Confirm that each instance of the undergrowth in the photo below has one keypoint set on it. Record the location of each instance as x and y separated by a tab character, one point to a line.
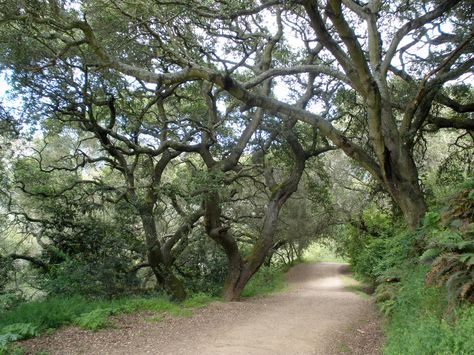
33	318
425	277
421	322
267	280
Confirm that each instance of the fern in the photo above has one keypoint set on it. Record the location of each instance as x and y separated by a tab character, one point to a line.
452	249
14	332
94	320
430	254
7	338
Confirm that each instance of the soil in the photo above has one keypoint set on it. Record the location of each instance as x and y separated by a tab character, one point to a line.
316	315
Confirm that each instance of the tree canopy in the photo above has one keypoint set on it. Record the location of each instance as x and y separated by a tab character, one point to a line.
183	110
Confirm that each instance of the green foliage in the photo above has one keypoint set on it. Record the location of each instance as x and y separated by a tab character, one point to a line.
385	295
373	246
88	245
419	318
10	296
94	320
319	251
105	277
203	264
198	300
17	331
9	300
13	332
30	319
13	350
7	338
404	264
267	280
6	267
50	313
450	245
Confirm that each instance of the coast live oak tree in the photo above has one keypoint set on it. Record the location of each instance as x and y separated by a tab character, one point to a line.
139	130
349	45
388	68
123	140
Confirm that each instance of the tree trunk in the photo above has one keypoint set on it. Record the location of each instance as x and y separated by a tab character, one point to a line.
241	272
172	284
405	189
163	273
236	279
395	156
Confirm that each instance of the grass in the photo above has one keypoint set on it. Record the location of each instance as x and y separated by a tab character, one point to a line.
55	312
198	300
33	318
427	324
355	286
266	281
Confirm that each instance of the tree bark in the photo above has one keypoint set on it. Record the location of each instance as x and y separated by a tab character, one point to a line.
163	273
237	278
403	185
399	173
240	271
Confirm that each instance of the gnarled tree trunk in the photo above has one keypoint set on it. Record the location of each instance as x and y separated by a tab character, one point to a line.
240	270
161	269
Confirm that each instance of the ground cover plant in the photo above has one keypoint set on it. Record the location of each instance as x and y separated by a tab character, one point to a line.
423	277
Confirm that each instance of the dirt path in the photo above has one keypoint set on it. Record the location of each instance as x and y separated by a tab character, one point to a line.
316	316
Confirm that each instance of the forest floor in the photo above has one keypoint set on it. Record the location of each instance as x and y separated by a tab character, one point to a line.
317	314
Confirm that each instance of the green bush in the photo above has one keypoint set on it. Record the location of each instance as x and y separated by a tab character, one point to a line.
50	313
9	300
404	264
99	278
376	246
203	264
450	245
12	350
425	277
14	332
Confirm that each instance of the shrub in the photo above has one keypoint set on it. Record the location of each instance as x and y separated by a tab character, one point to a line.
198	300
12	350
99	278
203	265
376	246
9	300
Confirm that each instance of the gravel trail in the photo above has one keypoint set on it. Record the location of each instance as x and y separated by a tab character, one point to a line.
317	315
